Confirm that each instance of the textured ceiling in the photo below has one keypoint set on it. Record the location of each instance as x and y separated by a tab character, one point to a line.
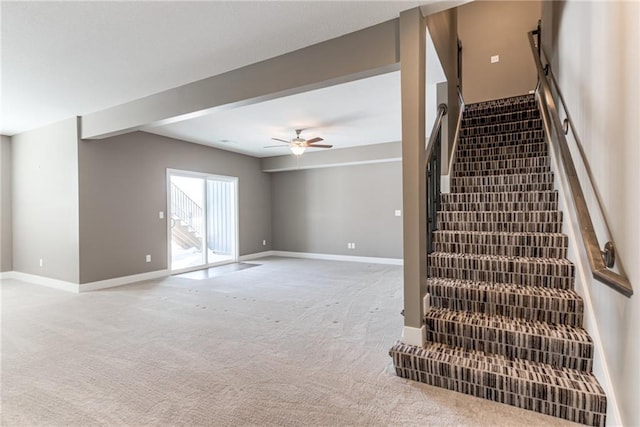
66	59
63	59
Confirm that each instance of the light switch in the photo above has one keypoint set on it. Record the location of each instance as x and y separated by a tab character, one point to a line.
495	58
398	212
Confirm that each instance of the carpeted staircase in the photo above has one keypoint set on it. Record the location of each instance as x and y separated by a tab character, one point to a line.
505	323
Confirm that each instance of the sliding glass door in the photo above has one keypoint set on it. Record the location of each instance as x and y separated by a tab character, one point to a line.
202	220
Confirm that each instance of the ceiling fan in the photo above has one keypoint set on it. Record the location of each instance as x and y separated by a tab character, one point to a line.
298	144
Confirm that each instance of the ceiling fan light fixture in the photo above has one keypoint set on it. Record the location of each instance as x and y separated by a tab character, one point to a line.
297	149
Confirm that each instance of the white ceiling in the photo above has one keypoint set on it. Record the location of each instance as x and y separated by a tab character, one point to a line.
65	59
357	113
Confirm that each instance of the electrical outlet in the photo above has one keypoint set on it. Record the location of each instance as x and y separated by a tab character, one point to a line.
264	243
148	258
398	212
161	215
495	58
40	262
353	246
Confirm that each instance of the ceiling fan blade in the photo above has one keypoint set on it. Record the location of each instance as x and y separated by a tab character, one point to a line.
320	146
314	140
275	146
281	140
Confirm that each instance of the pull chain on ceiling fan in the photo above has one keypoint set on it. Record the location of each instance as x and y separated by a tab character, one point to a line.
298	145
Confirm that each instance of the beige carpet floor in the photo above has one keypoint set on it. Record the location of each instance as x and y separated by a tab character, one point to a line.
290	342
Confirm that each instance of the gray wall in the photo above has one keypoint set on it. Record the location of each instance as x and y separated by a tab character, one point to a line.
123	187
45	201
489	28
594	46
321	210
443	28
6	239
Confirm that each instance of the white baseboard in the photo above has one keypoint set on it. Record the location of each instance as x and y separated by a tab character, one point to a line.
125	280
85	287
330	257
256	255
414	336
445	184
34	279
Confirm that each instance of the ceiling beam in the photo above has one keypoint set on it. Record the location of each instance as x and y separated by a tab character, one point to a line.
365	53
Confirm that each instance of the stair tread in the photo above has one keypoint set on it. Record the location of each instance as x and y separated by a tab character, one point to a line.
496	363
463	146
501	128
504	213
533	158
561	392
501	117
490	193
479	158
556	261
503	233
528	327
503	176
507	288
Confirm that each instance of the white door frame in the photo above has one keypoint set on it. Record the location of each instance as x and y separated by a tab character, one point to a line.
236	243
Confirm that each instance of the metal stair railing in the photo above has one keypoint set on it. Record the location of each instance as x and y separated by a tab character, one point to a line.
433	165
184	208
600	261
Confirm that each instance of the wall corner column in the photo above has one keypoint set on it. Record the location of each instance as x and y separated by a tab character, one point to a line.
412	75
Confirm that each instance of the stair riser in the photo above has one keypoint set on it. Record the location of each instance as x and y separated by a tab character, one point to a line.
558	276
503	183
514	116
558	353
494	172
519	251
464	154
470	158
518	307
510	222
502	165
499	206
504	188
493	197
501	140
516	302
500	107
501	227
515	201
501	128
535	243
530	392
502	277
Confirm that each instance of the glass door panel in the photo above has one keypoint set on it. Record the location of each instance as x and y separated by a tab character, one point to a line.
188	232
203	220
221	228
